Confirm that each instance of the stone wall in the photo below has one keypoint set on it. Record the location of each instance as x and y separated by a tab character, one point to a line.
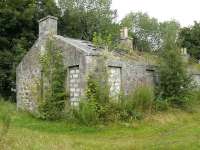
124	74
75	64
133	74
27	81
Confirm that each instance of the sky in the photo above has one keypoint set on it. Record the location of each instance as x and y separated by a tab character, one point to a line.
184	11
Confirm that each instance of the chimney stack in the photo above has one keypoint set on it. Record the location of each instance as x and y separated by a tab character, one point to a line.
125	41
48	25
124	33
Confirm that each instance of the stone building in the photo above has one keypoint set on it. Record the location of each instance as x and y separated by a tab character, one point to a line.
80	57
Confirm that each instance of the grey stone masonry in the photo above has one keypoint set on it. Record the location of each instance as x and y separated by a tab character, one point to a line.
48	25
74	85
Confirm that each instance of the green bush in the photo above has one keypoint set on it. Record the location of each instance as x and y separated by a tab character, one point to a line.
128	107
86	113
175	83
50	110
161	105
193	100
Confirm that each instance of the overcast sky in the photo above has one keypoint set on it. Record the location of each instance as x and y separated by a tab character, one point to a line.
184	11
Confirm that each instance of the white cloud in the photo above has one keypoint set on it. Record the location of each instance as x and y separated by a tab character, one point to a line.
184	11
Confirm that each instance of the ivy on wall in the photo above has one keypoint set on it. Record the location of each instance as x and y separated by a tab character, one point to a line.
53	94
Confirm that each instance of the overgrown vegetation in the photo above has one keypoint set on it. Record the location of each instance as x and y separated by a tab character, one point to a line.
5	118
93	107
175	83
5	126
173	129
53	94
99	107
142	99
107	42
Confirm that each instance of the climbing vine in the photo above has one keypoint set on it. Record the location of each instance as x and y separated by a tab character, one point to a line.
53	95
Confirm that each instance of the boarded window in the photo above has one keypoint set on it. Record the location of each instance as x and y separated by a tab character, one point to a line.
115	80
152	77
74	85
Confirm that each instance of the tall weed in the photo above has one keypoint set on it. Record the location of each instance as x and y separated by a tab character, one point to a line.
142	99
5	119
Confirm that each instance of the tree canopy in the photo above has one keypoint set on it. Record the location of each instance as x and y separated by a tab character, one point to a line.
189	38
148	33
18	31
82	18
19	28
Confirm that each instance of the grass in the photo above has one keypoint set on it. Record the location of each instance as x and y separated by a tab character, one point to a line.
174	129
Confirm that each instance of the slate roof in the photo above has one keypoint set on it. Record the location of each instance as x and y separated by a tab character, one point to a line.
85	46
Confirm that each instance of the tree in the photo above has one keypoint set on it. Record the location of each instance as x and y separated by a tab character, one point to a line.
169	34
189	38
82	18
175	83
144	30
148	34
18	31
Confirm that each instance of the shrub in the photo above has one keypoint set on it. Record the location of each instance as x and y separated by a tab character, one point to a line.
128	110
134	105
193	100
161	105
195	97
87	113
128	107
175	83
93	107
103	41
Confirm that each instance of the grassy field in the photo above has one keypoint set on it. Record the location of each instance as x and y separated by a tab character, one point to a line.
170	130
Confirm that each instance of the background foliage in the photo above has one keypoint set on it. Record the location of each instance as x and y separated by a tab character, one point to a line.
189	38
148	33
19	29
